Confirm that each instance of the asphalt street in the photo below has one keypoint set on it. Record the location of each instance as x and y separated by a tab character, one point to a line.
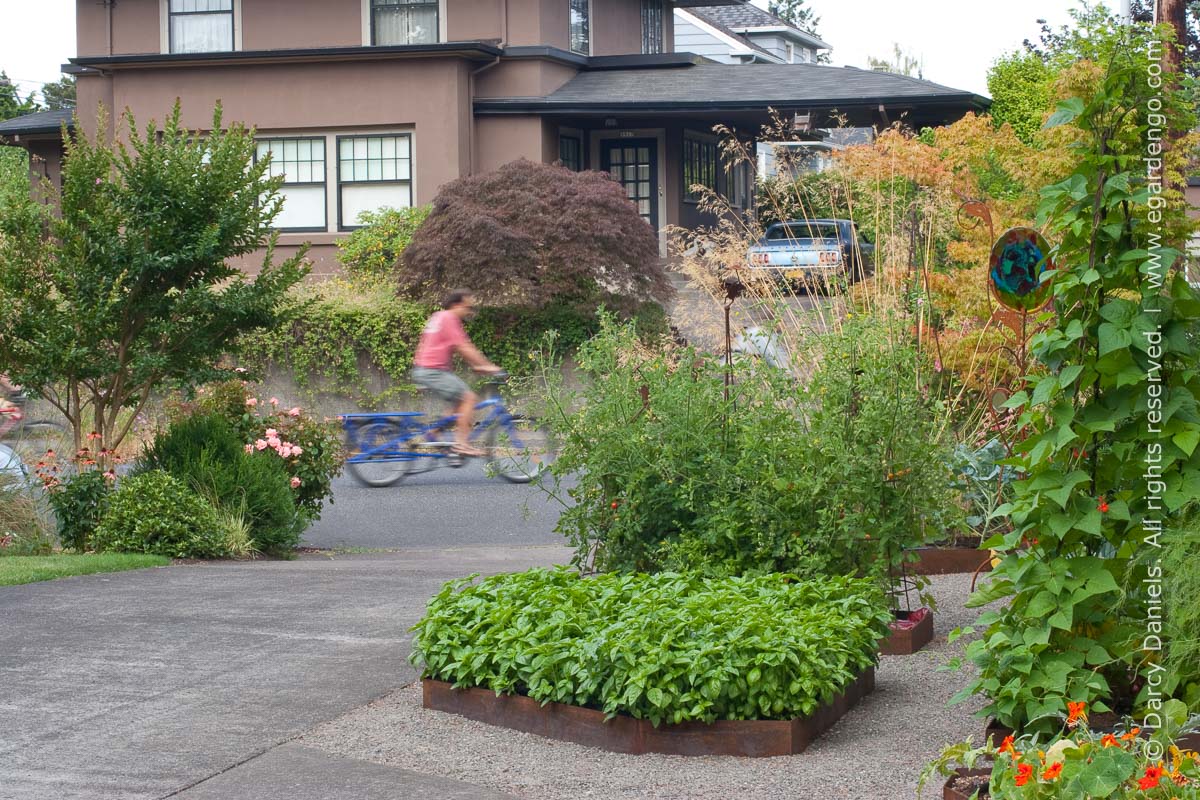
443	508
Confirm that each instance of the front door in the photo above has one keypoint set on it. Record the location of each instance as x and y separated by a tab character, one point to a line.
634	164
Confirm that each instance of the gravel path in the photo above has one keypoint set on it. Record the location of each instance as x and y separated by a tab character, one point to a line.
874	753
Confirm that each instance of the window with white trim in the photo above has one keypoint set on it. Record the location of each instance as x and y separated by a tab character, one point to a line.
301	162
404	22
373	172
200	26
581	27
789	51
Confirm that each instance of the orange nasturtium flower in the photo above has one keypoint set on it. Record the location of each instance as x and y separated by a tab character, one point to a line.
1125	737
1108	740
1024	773
1007	745
1053	771
1075	713
1151	778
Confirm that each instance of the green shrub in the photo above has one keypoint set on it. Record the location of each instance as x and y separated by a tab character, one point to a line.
155	513
835	477
667	647
344	329
206	454
24	529
314	447
374	250
1181	634
78	504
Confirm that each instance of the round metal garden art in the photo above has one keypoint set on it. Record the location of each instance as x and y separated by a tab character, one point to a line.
1018	259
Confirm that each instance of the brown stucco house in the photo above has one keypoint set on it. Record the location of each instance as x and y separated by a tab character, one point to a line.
370	103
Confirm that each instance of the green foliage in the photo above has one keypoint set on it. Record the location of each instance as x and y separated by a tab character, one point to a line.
900	63
24	528
206	454
1111	447
1020	85
344	329
34	569
156	513
374	251
14	173
795	13
837	476
1181	635
11	104
134	289
313	447
1080	763
78	505
667	647
60	94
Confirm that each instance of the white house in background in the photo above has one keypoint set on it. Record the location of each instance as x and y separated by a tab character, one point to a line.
743	34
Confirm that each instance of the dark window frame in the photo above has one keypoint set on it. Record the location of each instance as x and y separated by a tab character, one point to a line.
232	26
337	147
584	7
578	142
377	4
653	28
700	166
324	183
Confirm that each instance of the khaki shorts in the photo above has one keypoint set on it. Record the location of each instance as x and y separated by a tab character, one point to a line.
442	383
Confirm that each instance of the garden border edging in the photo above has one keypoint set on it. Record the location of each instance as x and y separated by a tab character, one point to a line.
623	734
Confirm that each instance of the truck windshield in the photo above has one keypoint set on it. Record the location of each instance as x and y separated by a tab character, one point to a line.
803	230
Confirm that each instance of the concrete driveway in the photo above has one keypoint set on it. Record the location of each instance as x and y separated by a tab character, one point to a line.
190	681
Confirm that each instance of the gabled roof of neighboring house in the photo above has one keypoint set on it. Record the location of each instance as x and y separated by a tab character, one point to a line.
732	86
741	45
744	18
39	122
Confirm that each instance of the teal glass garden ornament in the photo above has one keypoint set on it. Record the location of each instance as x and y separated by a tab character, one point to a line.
1015	268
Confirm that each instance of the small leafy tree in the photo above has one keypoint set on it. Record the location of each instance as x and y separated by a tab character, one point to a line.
126	290
1020	85
11	104
59	94
375	249
1113	444
528	234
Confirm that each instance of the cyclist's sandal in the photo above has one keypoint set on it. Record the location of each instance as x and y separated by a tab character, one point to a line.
467	450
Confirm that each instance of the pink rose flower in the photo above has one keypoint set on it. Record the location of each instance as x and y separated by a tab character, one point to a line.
251	402
273	441
295	412
274	401
249	448
295	483
261	444
296	451
271	432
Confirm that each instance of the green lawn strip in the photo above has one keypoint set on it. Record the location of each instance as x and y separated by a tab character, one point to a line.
16	570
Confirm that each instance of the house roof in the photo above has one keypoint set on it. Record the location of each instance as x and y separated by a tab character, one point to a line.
716	87
733	38
739	19
39	122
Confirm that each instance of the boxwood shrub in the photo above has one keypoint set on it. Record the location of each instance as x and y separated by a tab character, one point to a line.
668	647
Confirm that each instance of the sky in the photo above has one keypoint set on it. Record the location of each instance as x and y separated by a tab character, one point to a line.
956	39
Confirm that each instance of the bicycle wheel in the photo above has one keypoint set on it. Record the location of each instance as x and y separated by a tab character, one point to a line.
519	451
379	465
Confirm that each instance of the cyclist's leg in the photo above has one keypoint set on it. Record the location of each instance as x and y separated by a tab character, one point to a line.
465	423
453	390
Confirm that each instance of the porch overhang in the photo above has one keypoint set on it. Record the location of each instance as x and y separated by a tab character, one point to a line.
748	95
40	126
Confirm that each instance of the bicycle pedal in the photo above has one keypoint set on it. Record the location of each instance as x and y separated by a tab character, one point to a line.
456	460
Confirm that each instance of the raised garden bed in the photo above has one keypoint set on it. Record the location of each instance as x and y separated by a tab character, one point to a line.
911	631
624	734
966	782
950	561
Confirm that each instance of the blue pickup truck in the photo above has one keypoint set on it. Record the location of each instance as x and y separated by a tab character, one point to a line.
813	251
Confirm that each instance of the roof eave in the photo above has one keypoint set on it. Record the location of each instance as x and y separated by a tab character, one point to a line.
542	105
471	50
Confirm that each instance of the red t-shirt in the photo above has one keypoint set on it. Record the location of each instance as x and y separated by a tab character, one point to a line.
442	334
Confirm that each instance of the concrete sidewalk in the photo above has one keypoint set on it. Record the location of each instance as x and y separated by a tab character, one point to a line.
186	680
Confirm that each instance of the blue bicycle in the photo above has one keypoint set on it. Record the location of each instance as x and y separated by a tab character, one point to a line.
385	448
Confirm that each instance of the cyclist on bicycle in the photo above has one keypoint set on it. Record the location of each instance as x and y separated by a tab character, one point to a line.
432	368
